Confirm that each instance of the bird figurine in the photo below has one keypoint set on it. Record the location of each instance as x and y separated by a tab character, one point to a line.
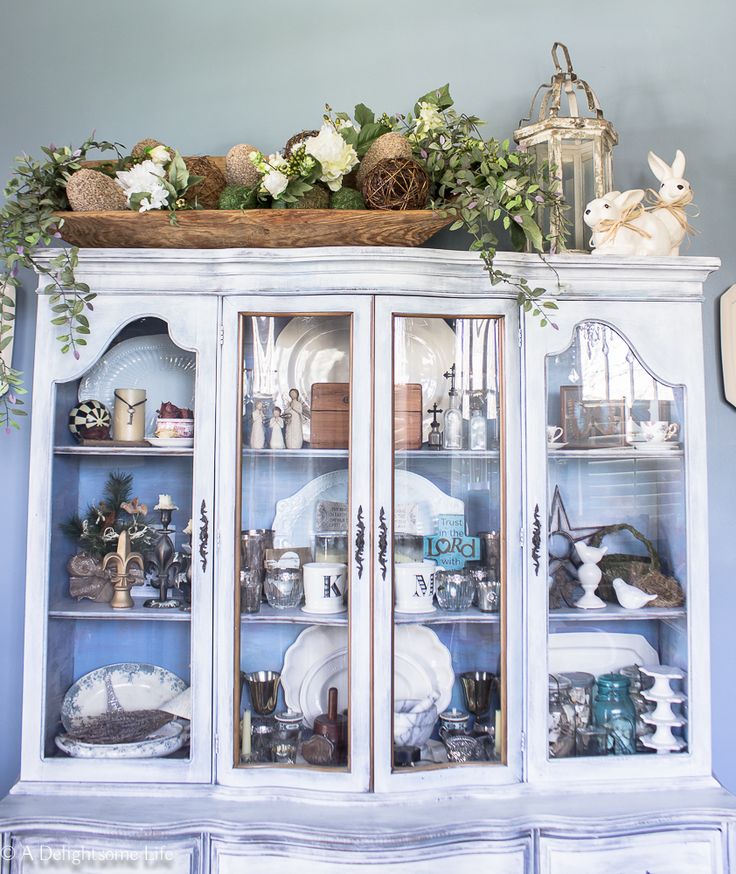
590	554
629	596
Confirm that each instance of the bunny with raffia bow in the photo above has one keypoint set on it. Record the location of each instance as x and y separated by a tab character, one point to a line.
621	226
673	196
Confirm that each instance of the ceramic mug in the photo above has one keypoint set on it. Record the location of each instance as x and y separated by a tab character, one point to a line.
554	432
659	432
414	586
325	583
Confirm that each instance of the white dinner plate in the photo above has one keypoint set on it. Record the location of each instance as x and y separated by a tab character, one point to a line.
165	740
598	652
136	686
176	442
312	349
661	446
318	660
293	525
152	362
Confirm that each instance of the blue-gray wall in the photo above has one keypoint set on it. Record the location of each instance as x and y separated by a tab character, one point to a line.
203	76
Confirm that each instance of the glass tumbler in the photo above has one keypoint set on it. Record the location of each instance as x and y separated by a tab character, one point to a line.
487	589
454	589
591	740
284	587
284	745
251	592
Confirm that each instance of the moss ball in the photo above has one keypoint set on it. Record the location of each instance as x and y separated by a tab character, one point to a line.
89	190
139	149
207	192
347	198
391	145
317	198
239	197
239	169
294	141
278	204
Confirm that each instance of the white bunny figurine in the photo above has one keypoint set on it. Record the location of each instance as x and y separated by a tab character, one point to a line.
621	227
673	196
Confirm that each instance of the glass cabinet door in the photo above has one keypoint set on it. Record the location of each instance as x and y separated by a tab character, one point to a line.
123	552
299	586
444	578
618	572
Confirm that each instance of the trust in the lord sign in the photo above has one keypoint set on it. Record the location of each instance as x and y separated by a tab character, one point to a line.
450	546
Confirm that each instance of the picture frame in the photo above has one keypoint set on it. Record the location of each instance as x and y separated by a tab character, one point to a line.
591	424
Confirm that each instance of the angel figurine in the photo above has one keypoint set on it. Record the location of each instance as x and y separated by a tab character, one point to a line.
277	429
295	421
258	433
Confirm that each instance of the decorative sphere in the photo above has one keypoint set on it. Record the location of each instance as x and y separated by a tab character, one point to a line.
90	420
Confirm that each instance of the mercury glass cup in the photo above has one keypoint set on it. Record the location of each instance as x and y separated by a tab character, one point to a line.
284	587
454	589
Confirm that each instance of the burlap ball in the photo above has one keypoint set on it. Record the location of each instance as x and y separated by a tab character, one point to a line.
89	190
391	145
139	149
239	169
207	192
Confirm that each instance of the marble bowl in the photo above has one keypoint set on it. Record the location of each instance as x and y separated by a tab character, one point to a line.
414	721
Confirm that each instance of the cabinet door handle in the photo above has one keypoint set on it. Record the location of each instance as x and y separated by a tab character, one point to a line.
382	542
359	542
204	535
536	540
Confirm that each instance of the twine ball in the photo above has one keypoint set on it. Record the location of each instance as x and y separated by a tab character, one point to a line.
89	190
207	192
317	198
297	139
239	169
391	145
139	149
396	183
347	198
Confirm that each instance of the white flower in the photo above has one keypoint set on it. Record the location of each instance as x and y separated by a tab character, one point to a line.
160	155
341	123
145	178
276	161
429	119
511	187
275	182
335	155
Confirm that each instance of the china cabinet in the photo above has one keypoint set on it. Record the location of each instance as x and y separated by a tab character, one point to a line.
419	581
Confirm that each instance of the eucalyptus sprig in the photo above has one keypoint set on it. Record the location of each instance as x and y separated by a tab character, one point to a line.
28	220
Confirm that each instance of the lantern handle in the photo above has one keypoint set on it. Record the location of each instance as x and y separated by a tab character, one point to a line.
561	45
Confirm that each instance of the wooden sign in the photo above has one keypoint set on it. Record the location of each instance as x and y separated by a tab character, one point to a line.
451	547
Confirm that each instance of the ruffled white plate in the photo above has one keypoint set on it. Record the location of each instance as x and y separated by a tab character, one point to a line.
293	525
136	686
318	659
598	652
314	349
162	742
154	363
175	442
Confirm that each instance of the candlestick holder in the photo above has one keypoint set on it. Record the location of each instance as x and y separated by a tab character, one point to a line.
165	564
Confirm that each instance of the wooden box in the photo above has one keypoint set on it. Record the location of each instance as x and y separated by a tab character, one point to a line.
330	409
408	416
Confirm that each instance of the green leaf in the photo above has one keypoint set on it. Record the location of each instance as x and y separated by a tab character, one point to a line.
363	115
439	97
532	231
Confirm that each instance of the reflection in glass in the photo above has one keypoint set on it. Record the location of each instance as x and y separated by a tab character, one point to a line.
617	529
295	537
447	567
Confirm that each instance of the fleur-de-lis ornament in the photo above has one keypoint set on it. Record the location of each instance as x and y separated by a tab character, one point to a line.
120	564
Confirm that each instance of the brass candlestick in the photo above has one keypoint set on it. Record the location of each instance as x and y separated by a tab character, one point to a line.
120	564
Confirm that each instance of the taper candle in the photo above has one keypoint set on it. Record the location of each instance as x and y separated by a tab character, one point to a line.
245	747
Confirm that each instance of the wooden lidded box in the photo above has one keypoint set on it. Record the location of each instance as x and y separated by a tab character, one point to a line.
408	416
330	411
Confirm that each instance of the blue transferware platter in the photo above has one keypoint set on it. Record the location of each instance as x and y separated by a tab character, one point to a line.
162	742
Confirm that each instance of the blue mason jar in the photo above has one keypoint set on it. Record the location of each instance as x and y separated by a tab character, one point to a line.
614	709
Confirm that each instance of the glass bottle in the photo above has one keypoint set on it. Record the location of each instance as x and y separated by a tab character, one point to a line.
614	710
478	434
561	718
453	430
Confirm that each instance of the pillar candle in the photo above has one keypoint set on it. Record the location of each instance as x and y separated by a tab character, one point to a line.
245	747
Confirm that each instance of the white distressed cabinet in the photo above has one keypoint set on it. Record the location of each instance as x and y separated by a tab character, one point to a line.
560	435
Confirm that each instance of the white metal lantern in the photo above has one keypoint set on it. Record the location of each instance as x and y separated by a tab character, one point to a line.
577	145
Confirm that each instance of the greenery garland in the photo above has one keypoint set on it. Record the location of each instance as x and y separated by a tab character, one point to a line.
482	184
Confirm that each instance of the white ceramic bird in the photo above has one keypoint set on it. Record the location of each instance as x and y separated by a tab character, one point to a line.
629	596
590	554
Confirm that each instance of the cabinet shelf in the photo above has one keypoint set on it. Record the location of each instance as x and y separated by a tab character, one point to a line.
293	616
626	452
123	450
615	612
447	453
447	617
305	452
68	609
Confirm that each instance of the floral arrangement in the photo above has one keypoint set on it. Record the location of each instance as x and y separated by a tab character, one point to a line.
482	184
98	530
